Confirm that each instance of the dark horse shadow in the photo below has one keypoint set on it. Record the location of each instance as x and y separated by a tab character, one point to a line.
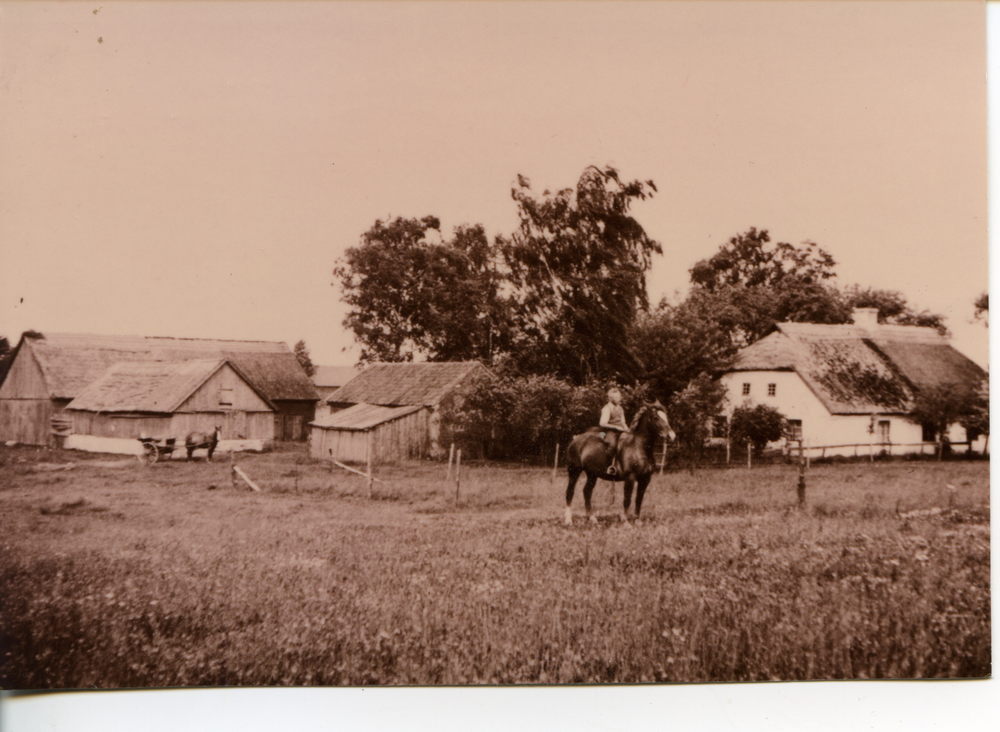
588	453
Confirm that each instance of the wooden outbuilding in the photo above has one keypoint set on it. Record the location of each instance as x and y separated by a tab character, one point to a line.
160	399
391	433
49	371
401	404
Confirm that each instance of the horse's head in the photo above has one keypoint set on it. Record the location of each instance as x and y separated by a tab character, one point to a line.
662	423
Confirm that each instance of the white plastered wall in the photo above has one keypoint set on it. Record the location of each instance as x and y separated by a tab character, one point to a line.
795	400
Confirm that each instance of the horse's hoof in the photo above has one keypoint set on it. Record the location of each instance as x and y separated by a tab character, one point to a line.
638	521
568	517
592	519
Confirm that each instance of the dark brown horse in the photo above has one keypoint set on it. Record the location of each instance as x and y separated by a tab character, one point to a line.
202	440
588	453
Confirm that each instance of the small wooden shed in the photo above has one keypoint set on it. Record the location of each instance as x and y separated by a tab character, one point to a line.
393	433
171	399
425	389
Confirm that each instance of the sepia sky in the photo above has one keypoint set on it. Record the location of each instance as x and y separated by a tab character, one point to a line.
195	169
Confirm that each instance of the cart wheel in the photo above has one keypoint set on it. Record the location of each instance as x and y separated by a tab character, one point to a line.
150	453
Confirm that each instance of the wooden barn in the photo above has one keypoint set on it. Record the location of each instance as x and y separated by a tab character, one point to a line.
49	371
400	404
848	387
172	399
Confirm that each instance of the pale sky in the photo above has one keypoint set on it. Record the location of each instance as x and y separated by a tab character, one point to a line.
195	170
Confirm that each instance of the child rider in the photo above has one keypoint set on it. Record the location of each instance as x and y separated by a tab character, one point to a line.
612	424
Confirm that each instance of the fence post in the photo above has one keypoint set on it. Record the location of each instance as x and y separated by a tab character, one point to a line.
555	465
458	473
451	455
728	448
232	468
802	476
369	450
663	457
749	447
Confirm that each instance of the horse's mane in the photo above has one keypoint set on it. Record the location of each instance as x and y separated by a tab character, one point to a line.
639	415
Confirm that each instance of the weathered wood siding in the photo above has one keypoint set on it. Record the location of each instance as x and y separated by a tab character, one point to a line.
25	420
291	421
25	406
24	380
224	385
405	438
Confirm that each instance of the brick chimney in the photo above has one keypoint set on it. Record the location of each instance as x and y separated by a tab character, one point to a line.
866	318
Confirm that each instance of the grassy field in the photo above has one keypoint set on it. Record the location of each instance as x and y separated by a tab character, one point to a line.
115	575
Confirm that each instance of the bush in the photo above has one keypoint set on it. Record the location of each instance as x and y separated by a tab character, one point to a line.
524	417
757	425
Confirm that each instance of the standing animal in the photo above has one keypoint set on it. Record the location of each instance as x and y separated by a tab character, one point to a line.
588	453
200	440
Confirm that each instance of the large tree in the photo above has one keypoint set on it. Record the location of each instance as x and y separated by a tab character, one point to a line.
750	284
413	294
577	265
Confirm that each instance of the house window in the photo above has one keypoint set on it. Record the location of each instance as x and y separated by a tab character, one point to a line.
928	432
794	430
772	389
225	397
883	431
746	389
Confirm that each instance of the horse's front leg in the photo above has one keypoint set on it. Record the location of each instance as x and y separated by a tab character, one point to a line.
588	491
574	474
627	501
640	492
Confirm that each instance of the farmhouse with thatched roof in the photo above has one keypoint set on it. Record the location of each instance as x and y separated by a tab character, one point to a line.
49	371
848	385
393	407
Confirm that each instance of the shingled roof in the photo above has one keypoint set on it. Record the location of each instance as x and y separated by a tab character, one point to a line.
147	386
857	370
405	384
70	362
364	416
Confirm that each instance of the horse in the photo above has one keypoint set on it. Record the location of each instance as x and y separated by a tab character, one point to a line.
199	440
588	452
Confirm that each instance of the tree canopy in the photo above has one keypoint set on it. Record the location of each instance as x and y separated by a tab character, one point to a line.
412	293
577	265
302	355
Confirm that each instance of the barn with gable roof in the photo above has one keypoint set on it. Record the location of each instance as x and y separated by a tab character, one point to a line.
49	371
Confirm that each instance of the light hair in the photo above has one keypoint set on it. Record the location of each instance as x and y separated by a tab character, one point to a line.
614	390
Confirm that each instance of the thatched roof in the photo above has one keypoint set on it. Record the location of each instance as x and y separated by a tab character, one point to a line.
854	370
399	384
70	362
333	376
363	417
147	386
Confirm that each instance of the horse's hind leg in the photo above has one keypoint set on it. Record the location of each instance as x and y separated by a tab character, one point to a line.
574	474
588	491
